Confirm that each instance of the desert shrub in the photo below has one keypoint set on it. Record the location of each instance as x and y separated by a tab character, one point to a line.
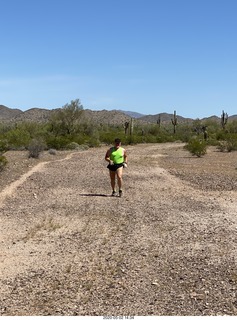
147	138
196	147
52	151
59	142
231	139
80	138
231	146
93	142
220	135
35	148
35	130
83	147
212	140
134	139
73	146
153	129
228	145
17	138
222	146
3	145
232	126
107	133
3	162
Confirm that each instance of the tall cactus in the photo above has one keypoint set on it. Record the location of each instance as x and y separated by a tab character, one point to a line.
126	126
174	121
205	134
158	121
131	126
224	119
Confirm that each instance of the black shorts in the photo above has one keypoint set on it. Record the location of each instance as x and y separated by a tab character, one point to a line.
114	167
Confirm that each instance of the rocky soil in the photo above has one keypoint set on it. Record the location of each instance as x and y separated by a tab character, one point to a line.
167	247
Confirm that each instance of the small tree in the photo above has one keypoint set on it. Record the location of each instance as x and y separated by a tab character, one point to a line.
65	119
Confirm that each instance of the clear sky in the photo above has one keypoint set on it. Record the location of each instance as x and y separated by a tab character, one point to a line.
147	56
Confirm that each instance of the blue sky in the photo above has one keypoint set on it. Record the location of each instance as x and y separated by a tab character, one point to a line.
148	56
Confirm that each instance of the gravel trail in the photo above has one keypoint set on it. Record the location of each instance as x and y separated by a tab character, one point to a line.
166	247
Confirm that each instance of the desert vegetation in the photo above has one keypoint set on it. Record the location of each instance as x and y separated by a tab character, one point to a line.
68	129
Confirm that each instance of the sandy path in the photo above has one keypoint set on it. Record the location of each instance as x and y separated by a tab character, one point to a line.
9	190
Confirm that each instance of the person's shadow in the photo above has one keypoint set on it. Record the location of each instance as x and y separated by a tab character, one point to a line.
94	195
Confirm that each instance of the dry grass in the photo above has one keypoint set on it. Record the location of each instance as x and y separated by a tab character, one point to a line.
46	226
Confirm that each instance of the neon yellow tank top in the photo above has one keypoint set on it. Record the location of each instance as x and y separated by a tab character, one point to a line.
117	155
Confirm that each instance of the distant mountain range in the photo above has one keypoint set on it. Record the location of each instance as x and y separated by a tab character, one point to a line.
132	114
167	117
103	116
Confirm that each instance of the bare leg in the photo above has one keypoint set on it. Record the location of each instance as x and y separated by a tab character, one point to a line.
119	173
112	179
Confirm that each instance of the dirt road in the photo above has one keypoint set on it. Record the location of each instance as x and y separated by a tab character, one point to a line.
67	248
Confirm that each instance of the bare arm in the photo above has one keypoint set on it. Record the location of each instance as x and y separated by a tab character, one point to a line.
107	155
125	156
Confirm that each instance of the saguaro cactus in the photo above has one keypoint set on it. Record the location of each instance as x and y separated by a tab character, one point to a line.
131	127
205	134
126	126
158	121
224	119
174	121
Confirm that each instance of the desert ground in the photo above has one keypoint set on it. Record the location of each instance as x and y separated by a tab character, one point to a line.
166	248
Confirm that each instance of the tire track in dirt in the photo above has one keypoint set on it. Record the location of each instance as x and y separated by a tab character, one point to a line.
9	190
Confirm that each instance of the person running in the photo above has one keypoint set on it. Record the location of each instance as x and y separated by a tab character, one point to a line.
117	158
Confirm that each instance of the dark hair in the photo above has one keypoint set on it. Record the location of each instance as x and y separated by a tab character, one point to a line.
117	140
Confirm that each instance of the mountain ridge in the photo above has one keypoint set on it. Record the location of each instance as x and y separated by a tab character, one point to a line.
100	116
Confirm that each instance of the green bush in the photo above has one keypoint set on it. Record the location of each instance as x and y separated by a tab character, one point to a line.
196	147
59	142
3	145
222	146
231	142
232	126
3	162
73	146
227	145
17	138
93	142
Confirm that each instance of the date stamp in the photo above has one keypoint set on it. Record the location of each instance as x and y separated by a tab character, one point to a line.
118	317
